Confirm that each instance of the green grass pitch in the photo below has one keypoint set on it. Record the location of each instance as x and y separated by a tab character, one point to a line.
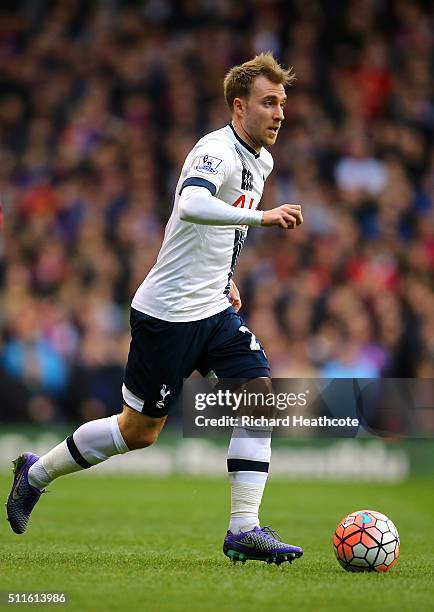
140	543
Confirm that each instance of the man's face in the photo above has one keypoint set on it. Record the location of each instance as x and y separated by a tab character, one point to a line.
263	111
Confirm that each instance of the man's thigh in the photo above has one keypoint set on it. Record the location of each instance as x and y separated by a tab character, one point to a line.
232	350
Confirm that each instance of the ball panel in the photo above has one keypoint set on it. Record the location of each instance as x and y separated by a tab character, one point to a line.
340	552
382	526
353	528
348	552
375	534
348	520
364	518
371	555
359	550
380	557
390	547
393	563
392	528
354	539
378	515
388	537
367	540
389	558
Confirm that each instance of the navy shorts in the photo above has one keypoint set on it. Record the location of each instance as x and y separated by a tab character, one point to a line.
163	354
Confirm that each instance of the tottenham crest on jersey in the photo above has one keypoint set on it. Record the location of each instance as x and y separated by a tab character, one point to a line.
208	163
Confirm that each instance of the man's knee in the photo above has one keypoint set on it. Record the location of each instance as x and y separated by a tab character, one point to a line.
257	394
261	384
139	430
141	439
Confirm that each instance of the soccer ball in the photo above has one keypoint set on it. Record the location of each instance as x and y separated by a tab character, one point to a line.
366	541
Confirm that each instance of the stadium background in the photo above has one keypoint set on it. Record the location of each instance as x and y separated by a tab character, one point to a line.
99	104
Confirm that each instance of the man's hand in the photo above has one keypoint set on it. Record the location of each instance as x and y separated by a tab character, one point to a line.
234	296
287	216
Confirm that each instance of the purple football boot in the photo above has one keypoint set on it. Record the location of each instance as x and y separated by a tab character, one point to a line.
260	544
23	496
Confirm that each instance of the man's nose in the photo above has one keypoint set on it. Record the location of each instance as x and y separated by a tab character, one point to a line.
279	114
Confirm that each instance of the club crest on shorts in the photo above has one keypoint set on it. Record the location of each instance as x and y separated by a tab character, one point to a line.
208	163
163	393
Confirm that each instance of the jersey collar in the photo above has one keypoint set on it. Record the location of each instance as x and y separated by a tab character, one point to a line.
245	145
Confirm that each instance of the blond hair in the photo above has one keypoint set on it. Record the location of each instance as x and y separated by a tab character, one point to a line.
239	80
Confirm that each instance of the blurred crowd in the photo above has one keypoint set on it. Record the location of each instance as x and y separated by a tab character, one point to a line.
99	104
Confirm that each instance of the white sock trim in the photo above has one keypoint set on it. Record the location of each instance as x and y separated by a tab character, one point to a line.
118	440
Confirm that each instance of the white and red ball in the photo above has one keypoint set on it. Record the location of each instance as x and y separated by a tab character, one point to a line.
366	541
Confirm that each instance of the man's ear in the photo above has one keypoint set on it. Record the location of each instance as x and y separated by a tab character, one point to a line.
239	106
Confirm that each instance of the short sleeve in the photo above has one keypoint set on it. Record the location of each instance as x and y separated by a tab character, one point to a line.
210	165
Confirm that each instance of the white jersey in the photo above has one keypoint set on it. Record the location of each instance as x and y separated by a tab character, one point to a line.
190	279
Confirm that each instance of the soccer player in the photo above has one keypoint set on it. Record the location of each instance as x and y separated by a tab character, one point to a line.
184	316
